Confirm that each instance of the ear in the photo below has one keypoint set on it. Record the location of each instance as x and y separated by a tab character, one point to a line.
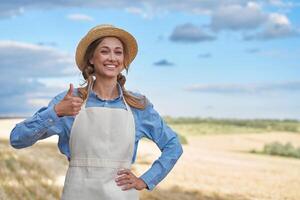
91	61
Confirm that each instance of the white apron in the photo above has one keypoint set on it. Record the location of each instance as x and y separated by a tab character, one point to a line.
101	143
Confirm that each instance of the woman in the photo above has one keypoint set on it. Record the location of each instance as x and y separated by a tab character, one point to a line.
99	125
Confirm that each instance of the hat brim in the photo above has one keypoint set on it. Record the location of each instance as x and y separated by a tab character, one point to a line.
98	32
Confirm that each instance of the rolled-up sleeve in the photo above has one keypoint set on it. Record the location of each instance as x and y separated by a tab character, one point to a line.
44	123
154	128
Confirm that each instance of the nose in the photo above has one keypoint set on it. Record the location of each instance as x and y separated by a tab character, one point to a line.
112	57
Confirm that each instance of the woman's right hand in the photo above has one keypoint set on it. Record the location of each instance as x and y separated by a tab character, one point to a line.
70	105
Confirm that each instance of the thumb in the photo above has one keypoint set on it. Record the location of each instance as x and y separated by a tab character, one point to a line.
70	91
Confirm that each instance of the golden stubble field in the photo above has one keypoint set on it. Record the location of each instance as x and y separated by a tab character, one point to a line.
213	167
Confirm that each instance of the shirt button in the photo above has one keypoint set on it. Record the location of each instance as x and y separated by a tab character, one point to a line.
50	120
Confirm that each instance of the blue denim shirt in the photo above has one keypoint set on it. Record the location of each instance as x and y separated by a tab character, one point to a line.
148	123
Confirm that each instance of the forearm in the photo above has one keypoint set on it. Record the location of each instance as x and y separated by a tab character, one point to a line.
163	165
34	128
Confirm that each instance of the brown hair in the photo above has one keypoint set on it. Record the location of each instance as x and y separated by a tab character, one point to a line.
88	72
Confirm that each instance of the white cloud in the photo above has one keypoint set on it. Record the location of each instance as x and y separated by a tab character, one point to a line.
238	17
80	17
29	60
278	19
234	15
277	26
135	10
245	88
140	11
149	6
190	33
21	67
276	2
282	3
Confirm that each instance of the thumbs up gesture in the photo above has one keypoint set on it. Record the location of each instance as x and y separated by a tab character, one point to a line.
70	105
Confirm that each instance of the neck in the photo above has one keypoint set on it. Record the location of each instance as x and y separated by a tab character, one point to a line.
106	89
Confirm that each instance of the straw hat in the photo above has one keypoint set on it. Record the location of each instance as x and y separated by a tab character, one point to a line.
102	31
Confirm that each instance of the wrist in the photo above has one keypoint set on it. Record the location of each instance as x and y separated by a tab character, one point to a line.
143	184
57	111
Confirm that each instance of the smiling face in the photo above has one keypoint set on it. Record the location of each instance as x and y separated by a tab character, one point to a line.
108	58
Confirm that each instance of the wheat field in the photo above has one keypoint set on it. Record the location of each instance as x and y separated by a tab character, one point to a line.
212	167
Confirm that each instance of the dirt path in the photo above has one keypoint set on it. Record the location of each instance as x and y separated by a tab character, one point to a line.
221	165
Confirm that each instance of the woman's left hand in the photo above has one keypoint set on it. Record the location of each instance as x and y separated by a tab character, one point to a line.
128	180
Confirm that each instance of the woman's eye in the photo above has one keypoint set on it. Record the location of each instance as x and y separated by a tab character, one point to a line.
119	52
104	51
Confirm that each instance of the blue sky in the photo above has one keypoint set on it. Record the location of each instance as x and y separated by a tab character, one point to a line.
208	58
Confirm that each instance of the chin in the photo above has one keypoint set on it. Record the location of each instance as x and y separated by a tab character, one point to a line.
109	75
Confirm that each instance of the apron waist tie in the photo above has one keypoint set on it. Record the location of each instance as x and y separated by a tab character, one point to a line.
96	162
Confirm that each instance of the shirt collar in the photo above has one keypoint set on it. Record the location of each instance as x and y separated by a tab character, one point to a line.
120	95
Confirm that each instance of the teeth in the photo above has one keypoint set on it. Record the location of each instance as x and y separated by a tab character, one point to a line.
110	66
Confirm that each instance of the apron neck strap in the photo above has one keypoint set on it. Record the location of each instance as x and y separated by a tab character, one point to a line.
126	104
90	90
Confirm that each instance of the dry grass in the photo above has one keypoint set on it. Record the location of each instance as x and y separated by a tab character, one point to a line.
36	173
177	193
213	167
30	173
